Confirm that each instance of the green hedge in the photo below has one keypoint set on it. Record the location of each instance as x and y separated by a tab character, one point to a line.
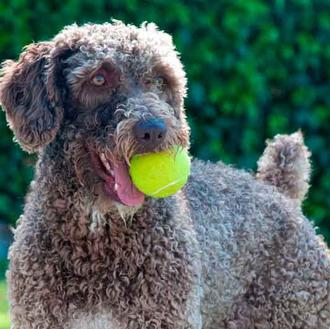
4	317
256	68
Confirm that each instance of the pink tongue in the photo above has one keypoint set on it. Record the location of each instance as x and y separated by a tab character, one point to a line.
127	193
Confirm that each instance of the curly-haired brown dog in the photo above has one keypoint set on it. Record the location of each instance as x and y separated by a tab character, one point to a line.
90	251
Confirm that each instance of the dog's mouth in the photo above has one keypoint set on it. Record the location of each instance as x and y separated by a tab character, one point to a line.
117	181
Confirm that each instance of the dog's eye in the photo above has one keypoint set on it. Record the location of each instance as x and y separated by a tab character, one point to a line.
158	82
98	80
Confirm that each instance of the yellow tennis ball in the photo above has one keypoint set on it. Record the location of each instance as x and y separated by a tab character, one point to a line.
160	174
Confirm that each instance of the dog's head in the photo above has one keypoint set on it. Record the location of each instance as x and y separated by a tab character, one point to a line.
103	93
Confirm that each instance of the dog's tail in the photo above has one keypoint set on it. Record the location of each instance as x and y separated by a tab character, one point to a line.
285	164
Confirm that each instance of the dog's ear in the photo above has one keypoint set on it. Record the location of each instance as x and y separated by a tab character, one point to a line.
31	97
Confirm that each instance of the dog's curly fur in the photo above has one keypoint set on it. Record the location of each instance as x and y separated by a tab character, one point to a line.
228	251
285	164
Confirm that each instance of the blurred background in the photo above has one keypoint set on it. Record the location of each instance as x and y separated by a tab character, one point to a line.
256	68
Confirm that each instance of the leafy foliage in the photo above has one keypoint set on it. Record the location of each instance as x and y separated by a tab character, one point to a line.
4	317
256	68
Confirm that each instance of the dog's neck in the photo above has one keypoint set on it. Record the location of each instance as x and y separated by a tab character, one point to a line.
55	182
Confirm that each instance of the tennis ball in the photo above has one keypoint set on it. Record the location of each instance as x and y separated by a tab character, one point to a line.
160	174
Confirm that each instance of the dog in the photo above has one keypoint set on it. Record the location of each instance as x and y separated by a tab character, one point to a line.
91	251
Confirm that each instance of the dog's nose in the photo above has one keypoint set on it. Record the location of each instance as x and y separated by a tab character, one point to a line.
150	133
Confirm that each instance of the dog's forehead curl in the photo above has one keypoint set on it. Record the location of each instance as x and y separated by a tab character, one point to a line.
142	48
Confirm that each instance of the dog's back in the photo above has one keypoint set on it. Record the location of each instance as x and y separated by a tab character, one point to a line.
261	259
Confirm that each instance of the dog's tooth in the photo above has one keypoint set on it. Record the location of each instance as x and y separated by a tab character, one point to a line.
112	172
107	166
102	156
116	186
105	162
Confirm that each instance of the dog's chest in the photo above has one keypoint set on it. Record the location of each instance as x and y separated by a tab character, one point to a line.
140	273
92	321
